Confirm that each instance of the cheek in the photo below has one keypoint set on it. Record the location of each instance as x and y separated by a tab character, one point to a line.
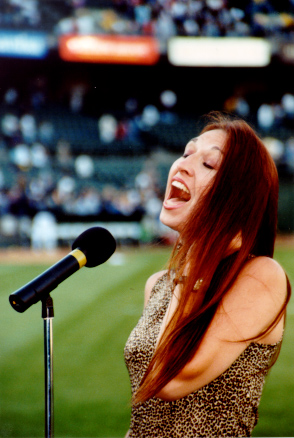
205	183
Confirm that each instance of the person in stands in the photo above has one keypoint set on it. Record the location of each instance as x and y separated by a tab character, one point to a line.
213	322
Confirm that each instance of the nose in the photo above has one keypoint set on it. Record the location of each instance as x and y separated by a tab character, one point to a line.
186	166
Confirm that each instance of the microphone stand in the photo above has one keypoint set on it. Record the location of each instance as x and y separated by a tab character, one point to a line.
47	315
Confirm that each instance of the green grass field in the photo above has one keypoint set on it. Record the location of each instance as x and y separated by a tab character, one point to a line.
95	310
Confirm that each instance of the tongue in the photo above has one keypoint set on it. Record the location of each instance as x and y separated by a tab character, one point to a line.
177	200
179	195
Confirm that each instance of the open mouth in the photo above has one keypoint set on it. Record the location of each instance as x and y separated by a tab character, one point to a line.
179	192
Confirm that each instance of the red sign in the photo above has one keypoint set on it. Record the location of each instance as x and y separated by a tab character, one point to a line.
109	49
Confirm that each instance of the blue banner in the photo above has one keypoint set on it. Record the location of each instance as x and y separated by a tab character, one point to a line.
23	44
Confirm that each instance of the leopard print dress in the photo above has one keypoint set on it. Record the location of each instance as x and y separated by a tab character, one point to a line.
226	407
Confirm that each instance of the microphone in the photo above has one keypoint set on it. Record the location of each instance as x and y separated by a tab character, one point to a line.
91	248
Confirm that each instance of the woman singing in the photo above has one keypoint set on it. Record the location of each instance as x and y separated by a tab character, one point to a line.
213	322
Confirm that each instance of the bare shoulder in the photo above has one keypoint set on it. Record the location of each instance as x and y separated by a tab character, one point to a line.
257	296
150	284
268	272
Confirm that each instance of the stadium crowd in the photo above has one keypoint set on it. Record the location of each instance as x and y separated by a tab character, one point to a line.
211	17
160	18
35	177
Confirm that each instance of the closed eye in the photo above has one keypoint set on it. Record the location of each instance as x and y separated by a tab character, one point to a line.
208	166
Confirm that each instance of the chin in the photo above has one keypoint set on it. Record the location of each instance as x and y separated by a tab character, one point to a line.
169	221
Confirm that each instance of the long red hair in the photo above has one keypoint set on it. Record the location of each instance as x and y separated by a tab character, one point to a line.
242	200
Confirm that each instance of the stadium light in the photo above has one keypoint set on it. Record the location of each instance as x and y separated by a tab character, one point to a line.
219	52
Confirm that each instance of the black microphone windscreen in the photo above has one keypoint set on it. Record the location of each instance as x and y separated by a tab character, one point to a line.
97	243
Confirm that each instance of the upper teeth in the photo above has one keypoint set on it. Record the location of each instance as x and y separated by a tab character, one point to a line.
180	185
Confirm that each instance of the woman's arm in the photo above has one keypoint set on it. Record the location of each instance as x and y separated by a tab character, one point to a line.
248	309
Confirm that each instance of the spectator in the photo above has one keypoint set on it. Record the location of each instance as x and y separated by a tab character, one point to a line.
107	128
46	132
84	166
28	128
265	116
21	156
11	96
44	232
87	203
64	154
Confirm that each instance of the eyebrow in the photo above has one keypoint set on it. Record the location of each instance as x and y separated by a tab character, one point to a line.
218	149
213	147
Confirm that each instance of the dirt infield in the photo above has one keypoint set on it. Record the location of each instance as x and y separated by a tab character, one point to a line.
23	256
26	256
